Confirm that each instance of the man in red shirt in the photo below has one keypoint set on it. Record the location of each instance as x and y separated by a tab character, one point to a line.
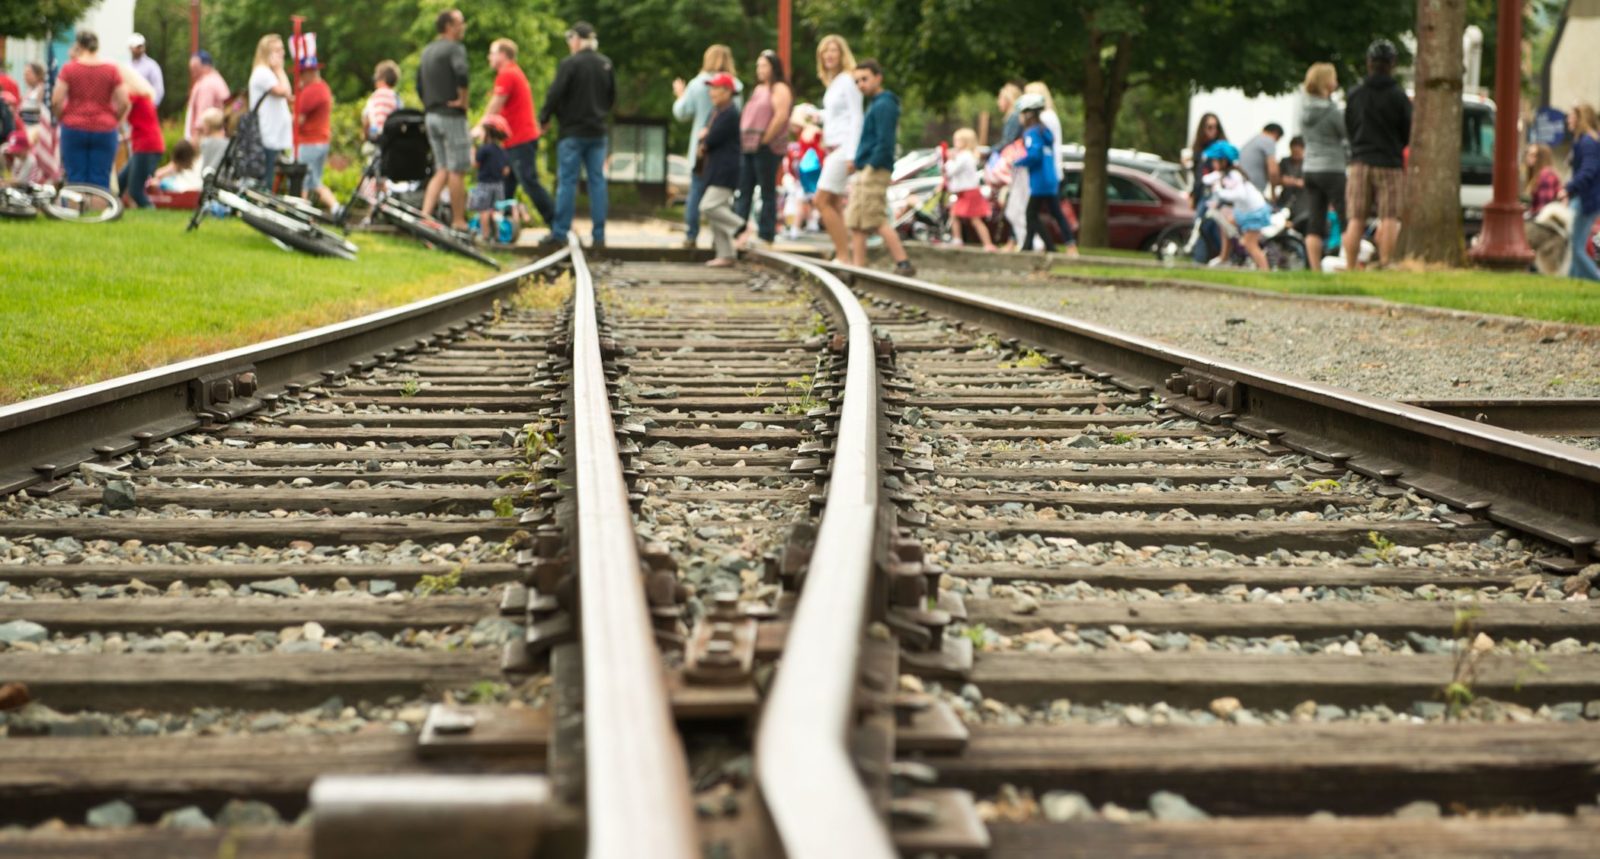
311	133
513	102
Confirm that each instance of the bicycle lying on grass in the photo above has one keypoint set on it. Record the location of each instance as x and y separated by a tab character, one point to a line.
403	155
79	204
291	223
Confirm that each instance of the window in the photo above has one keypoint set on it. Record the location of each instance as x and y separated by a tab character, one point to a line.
1072	185
1125	190
1119	189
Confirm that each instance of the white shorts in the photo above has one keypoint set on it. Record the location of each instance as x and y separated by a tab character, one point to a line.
835	178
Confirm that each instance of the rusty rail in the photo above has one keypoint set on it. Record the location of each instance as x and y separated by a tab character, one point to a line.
803	762
45	437
1532	484
637	779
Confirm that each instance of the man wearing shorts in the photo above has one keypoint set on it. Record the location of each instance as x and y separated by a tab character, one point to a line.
868	210
312	107
442	85
1378	120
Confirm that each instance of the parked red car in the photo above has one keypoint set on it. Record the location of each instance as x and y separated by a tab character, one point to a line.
1141	206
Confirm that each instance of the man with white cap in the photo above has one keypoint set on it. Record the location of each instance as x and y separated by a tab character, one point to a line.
147	68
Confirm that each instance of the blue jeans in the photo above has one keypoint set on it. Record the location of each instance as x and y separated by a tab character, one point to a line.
691	206
590	154
1582	221
525	171
87	156
140	166
760	169
271	170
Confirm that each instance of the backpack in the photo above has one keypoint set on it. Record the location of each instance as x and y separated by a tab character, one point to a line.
249	157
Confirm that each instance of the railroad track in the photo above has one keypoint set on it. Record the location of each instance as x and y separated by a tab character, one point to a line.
729	561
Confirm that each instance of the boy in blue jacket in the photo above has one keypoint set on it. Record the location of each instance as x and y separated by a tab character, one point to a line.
1044	183
868	211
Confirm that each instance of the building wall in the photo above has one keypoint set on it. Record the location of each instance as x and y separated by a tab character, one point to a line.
1575	64
111	20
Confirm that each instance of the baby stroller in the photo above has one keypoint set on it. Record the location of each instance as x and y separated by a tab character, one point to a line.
404	157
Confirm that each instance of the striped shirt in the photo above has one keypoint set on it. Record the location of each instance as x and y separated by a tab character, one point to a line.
379	105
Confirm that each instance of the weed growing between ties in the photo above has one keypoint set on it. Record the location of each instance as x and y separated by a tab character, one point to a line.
1383	546
799	397
441	583
1030	360
546	295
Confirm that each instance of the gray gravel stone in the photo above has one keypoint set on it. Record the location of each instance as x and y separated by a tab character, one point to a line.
111	815
17	631
1166	805
120	495
284	587
1422	809
379	587
187	817
248	812
1060	806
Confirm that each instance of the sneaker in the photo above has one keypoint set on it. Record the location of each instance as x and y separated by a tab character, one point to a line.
904	268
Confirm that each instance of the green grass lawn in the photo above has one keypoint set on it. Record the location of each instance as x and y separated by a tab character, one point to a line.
82	303
1556	299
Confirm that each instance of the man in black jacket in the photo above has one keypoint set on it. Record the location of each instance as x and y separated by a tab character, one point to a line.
580	97
1378	119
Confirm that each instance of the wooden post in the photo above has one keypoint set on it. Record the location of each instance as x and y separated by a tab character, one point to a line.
1504	243
194	27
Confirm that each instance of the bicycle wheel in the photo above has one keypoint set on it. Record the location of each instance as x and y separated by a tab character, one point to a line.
435	233
83	204
301	237
1170	243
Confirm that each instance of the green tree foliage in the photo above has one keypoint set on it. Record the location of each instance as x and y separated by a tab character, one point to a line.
654	41
354	35
37	18
1105	49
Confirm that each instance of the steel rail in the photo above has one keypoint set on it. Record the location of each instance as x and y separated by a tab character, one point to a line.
637	778
803	761
1529	483
63	429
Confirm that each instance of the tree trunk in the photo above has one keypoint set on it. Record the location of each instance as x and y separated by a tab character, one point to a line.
1432	229
1102	100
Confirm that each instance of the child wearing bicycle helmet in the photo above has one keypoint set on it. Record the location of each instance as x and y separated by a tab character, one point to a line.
1239	202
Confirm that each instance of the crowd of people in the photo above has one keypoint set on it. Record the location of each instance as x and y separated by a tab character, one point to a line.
832	166
1348	165
1349	162
97	106
828	166
746	142
97	110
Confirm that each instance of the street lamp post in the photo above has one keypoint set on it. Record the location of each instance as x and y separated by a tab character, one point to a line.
1504	243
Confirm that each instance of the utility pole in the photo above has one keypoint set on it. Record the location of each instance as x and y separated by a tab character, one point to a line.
785	36
1504	243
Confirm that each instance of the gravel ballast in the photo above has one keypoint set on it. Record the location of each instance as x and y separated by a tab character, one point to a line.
1384	352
